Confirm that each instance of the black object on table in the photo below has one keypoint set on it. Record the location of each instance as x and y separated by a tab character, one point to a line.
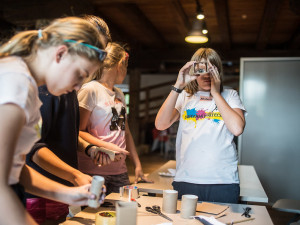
246	212
156	210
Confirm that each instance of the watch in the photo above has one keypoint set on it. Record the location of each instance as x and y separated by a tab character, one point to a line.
176	89
87	148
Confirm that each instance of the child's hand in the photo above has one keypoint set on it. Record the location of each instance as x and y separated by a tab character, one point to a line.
184	76
215	79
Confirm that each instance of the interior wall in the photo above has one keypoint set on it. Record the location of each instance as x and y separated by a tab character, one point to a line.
150	80
269	89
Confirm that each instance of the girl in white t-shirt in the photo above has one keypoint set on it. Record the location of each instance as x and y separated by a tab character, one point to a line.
209	118
103	120
60	56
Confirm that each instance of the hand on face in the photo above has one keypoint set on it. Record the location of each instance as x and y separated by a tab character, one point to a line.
215	79
184	76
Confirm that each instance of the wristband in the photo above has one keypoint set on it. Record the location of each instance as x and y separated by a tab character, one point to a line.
176	89
87	148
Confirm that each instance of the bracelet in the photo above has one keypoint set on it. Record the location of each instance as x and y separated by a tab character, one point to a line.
176	89
87	148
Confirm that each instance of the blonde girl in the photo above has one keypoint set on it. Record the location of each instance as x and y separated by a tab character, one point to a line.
209	118
61	56
103	120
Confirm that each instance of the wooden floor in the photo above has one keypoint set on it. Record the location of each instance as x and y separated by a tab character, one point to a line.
152	161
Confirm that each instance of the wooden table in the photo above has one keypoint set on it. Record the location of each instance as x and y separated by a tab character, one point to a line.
233	213
251	188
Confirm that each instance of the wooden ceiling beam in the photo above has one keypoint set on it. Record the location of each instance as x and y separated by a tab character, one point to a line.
27	12
271	12
118	34
221	7
180	16
182	20
101	2
136	16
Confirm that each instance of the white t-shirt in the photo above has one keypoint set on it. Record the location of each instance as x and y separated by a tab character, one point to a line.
205	151
96	98
17	86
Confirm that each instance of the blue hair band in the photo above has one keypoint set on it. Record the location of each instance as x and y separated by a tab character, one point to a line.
40	34
102	53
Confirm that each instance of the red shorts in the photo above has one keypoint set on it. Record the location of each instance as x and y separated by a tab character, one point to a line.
42	209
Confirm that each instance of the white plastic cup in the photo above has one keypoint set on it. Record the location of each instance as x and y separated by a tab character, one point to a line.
170	201
188	206
126	213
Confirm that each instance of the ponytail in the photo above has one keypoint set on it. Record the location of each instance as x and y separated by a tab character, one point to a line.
26	43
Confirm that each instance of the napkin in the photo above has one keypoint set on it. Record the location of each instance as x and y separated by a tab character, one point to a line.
209	220
172	171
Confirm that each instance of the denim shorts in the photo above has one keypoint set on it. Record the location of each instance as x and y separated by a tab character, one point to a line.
227	193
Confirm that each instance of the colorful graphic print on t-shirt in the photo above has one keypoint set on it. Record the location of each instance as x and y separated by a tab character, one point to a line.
199	115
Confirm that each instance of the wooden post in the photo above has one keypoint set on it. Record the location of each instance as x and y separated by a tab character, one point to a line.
147	105
134	102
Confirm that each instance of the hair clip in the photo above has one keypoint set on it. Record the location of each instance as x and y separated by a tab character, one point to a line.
40	34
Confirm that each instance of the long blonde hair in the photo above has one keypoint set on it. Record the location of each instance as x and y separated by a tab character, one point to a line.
26	43
214	58
115	53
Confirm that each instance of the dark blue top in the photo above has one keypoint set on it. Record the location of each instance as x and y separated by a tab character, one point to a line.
59	131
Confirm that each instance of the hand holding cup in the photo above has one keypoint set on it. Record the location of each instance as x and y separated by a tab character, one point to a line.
96	189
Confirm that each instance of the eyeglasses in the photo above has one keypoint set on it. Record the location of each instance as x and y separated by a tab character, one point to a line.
200	68
102	53
246	212
117	120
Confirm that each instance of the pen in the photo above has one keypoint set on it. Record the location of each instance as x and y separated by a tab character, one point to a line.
239	221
